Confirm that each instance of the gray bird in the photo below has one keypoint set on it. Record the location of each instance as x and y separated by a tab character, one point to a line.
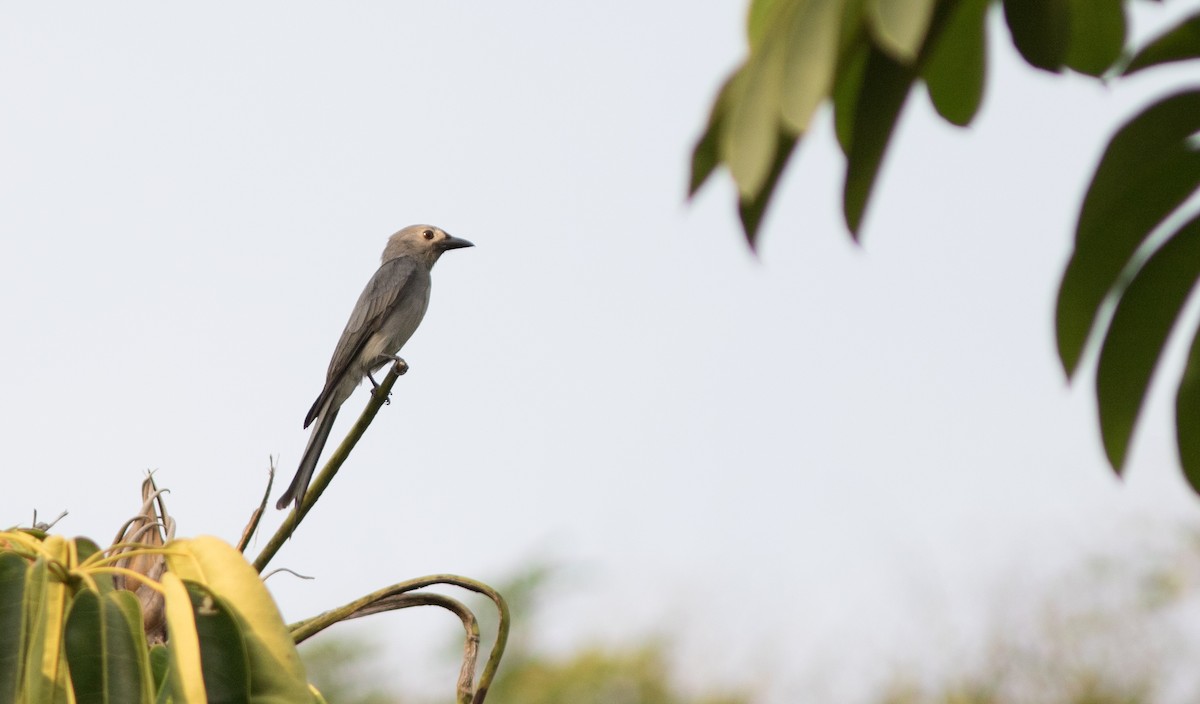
386	315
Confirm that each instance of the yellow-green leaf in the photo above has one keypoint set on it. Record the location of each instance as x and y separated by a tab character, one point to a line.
12	623
277	674
812	32
761	18
748	138
46	678
899	26
183	649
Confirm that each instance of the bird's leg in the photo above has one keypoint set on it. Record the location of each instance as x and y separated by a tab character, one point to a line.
400	363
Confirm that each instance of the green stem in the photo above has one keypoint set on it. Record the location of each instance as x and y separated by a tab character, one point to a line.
307	628
378	397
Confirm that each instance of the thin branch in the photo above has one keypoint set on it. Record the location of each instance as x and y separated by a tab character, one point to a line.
377	399
256	517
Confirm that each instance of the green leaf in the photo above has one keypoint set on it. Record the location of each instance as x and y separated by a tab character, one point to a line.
748	138
160	663
810	59
705	156
12	623
1148	169
45	678
1187	416
1041	30
847	85
128	606
761	18
223	658
899	26
853	30
956	66
1097	35
752	211
183	645
884	89
1144	317
106	654
276	671
85	548
1180	43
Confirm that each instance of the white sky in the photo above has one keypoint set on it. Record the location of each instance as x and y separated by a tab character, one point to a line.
801	461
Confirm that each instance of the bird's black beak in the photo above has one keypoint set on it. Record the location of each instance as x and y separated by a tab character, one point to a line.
452	242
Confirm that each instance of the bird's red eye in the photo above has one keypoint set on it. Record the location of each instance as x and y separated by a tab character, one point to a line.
428	234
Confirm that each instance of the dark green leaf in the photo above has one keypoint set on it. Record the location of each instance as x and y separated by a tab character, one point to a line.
705	156
126	605
1041	30
853	30
956	66
751	211
105	652
85	647
1187	416
1097	35
1143	319
12	623
846	87
85	548
1148	169
884	89
1180	43
223	657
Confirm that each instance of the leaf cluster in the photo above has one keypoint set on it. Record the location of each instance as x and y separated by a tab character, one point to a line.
1137	242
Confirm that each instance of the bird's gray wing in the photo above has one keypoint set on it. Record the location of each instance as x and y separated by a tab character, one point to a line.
380	294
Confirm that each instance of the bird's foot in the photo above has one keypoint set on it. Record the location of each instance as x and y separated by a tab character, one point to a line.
375	392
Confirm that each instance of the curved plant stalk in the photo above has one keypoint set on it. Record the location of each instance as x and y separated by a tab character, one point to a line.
397	596
466	675
321	481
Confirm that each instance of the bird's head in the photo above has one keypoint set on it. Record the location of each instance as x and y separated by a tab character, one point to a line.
425	242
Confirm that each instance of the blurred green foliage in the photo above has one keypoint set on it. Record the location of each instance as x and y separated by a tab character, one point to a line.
1116	629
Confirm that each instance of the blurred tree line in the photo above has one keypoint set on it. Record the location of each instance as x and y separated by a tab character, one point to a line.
1119	629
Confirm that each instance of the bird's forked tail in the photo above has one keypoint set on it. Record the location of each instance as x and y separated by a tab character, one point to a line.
308	463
